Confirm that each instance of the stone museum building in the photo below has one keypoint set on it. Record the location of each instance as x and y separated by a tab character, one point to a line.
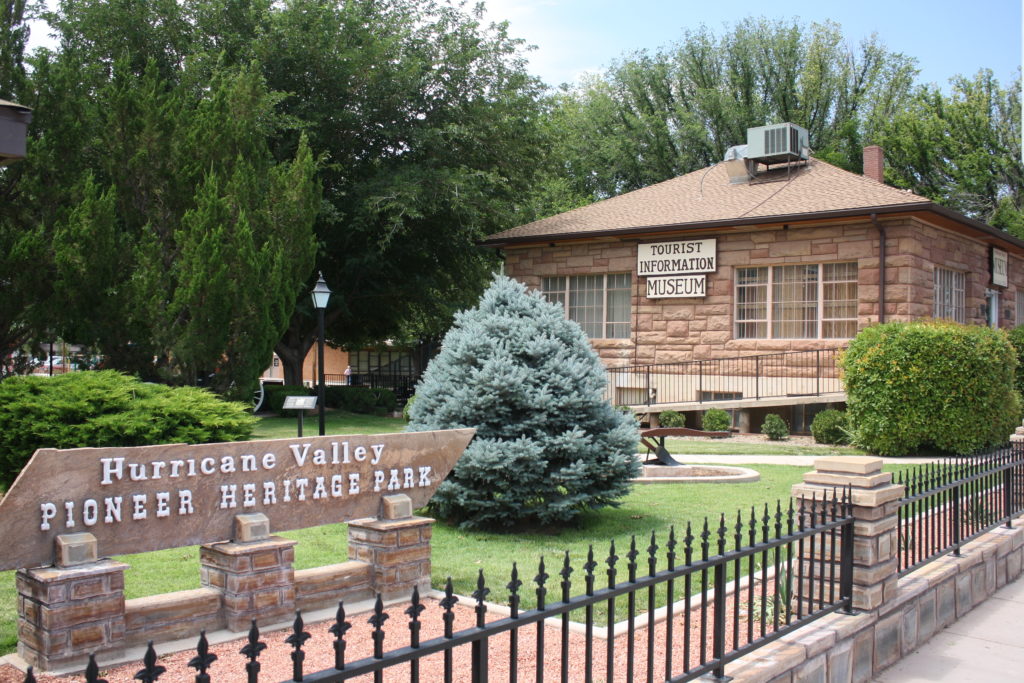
736	285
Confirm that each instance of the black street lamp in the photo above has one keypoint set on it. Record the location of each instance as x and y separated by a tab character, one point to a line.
321	294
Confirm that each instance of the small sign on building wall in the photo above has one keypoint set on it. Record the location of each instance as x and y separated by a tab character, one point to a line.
1000	268
671	267
676	286
676	258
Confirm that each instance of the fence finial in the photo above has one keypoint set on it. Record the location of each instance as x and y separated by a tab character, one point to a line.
252	650
338	630
296	640
480	595
541	577
513	587
92	671
652	556
151	671
203	659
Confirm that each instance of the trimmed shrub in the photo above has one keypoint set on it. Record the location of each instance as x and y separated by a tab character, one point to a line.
385	399
273	399
932	384
774	427
361	399
107	408
407	409
352	399
1017	340
829	426
716	420
548	445
670	418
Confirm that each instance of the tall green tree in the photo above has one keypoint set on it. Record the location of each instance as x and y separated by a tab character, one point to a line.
961	149
431	130
656	115
22	245
177	235
13	38
200	131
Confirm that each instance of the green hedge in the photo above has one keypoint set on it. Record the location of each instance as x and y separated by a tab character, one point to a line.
107	408
1017	339
361	399
932	384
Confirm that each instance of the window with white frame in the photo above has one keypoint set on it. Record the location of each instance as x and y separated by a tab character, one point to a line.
599	303
949	294
809	301
1020	308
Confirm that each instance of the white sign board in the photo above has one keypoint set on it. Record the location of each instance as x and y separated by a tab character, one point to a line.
676	286
676	258
999	268
299	402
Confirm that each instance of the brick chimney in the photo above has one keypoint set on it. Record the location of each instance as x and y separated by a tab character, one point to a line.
874	163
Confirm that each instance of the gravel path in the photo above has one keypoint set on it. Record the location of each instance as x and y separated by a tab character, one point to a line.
276	664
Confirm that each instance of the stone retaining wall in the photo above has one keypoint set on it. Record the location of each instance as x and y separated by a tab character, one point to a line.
69	611
895	616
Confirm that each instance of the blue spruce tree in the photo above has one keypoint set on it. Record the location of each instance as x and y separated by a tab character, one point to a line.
548	445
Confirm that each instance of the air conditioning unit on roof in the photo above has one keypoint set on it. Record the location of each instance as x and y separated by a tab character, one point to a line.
778	143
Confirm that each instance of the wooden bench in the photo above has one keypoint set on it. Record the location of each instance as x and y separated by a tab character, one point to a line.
661	454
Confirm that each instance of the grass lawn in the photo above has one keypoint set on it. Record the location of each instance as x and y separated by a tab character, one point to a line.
336	422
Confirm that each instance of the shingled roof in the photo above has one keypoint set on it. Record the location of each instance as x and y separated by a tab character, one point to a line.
706	197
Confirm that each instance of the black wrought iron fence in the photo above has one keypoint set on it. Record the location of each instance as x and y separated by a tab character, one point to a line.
772	375
952	501
402	383
723	592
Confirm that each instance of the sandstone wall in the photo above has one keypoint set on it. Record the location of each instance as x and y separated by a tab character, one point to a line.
676	330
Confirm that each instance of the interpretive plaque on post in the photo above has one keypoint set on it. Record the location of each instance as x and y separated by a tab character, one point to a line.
155	497
299	403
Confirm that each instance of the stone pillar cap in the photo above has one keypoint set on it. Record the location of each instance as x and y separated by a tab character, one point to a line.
851	464
75	549
396	506
251	526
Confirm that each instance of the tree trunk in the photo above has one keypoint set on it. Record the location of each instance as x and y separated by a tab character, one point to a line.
292	350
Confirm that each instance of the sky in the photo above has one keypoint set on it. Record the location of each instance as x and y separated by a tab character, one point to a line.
572	37
947	37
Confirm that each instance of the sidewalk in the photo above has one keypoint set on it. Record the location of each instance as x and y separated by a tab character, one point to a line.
986	645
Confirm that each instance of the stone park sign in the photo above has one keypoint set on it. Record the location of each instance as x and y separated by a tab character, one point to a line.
154	497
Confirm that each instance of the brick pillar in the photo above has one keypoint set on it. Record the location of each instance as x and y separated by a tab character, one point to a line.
396	546
875	502
254	572
744	423
72	610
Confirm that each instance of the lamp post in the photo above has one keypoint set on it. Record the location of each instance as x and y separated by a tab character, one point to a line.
321	293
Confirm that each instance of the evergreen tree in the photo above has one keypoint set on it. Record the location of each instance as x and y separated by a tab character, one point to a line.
548	445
